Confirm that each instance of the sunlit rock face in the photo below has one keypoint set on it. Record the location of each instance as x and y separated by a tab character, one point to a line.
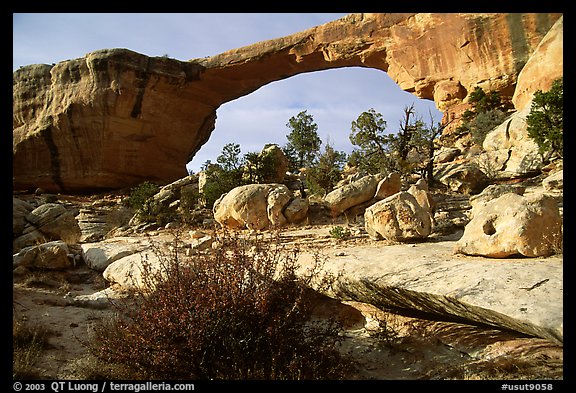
115	117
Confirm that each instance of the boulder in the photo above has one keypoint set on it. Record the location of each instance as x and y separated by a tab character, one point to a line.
390	185
464	178
297	210
494	191
398	218
513	224
253	206
554	182
30	237
273	155
141	270
277	199
510	150
98	256
349	195
56	222
20	209
51	256
446	154
422	195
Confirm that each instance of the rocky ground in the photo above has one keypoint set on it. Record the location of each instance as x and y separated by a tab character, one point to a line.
413	346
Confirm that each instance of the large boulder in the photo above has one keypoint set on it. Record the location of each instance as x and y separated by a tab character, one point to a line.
47	256
554	182
273	156
463	178
390	185
141	270
244	206
494	191
20	209
297	210
278	198
513	224
49	221
352	194
257	206
423	195
98	256
522	294
398	218
56	222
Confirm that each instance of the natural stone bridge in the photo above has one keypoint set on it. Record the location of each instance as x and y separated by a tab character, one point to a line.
115	117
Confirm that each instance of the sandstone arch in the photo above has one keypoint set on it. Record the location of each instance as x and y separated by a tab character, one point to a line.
115	117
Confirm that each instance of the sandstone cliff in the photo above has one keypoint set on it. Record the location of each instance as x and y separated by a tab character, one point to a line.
115	117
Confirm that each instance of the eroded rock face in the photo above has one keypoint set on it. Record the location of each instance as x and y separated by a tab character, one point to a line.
115	117
543	67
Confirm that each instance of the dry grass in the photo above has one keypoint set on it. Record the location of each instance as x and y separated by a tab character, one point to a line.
28	343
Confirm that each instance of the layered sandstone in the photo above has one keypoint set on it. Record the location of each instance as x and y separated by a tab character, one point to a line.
115	117
544	66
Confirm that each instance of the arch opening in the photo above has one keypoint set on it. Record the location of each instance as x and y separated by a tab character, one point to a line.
334	97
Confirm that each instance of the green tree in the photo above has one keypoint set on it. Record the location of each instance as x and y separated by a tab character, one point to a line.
258	168
303	139
368	133
483	102
323	176
546	120
223	176
380	152
229	158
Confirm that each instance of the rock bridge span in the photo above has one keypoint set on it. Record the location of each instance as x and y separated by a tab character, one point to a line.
115	118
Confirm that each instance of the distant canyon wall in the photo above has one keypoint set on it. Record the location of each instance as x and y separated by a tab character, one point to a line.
115	118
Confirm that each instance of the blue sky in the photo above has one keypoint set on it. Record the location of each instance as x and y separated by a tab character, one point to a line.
333	97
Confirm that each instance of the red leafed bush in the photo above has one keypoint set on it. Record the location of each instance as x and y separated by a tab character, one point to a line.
238	312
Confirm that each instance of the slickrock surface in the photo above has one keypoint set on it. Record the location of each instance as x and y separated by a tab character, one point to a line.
520	294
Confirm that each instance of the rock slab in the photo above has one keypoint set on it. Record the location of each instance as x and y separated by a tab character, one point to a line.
524	295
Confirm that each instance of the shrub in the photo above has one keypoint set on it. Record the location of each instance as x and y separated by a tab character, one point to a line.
546	120
339	232
140	194
488	111
485	122
327	172
219	181
239	312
